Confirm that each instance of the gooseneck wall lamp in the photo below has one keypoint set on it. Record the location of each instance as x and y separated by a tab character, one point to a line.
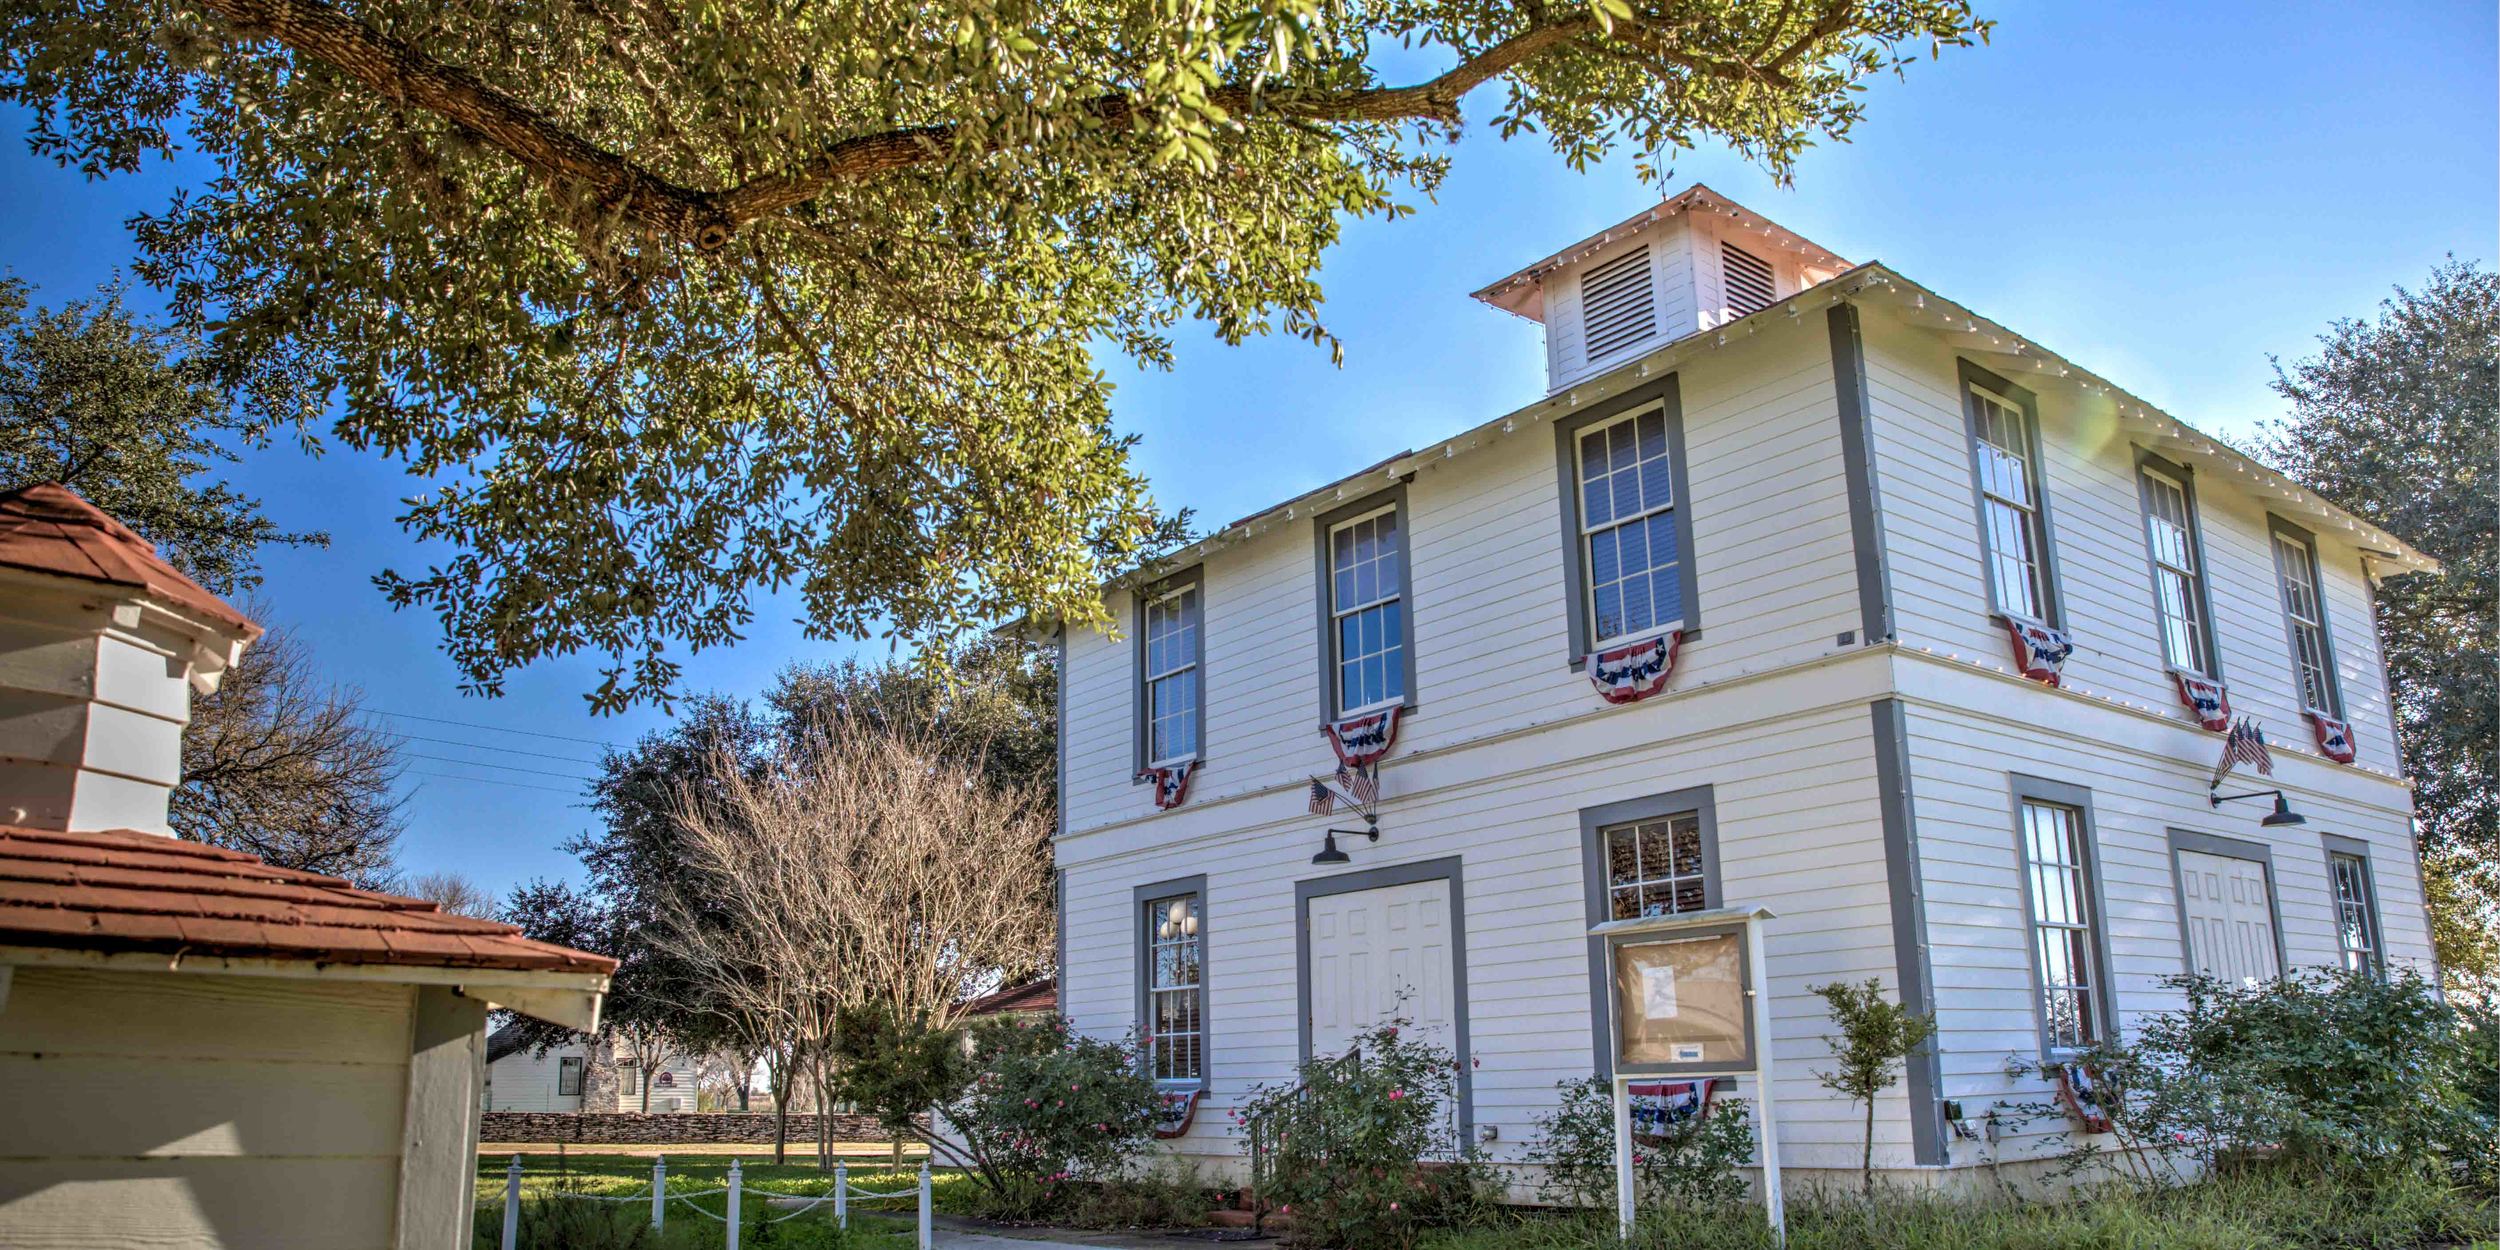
2281	817
1328	852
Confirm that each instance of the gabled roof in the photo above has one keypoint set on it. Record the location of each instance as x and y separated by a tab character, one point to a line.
47	528
1522	291
124	892
1035	998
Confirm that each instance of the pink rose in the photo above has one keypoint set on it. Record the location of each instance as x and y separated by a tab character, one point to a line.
1396	1094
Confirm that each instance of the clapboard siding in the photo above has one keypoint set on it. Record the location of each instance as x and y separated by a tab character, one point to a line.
2105	573
1772	557
1798	831
155	1109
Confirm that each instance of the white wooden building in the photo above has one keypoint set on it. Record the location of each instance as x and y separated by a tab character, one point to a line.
562	1078
1834	484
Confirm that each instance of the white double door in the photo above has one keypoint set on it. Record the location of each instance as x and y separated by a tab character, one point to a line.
1380	955
2230	918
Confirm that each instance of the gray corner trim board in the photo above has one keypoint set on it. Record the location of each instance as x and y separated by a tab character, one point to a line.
2257	853
2277	527
1448	868
2028	789
2186	478
1325	599
2337	844
1594	822
1059	875
1904	878
438	1130
1138	898
2052	604
1857	459
1663	392
1195	575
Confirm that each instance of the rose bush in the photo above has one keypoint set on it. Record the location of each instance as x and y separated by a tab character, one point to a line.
1047	1107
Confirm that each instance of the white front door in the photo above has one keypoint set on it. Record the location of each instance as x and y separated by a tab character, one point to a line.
1381	955
2230	917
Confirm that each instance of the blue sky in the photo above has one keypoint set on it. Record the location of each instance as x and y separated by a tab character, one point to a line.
2166	193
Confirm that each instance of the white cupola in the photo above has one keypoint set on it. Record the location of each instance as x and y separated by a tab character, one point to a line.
1694	262
101	645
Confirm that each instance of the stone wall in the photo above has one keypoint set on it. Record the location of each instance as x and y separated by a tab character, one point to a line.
631	1128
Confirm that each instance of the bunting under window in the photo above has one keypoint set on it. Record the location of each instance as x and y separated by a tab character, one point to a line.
1636	670
2205	698
2040	651
2334	736
1172	783
1360	741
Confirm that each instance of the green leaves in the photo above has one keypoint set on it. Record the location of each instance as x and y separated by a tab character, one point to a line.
665	306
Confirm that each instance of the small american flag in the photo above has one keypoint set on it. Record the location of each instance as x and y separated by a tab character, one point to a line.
1323	799
2245	744
1361	785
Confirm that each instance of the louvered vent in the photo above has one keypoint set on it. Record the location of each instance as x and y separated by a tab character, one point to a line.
1616	305
1749	285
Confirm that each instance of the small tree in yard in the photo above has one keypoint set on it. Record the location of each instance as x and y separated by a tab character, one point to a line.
1876	1035
896	1067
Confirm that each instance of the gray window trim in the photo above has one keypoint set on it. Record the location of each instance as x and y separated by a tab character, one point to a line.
2025	788
2186	478
2210	844
1448	869
1905	881
1666	392
1194	575
1323	582
2332	845
1972	375
1142	972
1593	821
2278	527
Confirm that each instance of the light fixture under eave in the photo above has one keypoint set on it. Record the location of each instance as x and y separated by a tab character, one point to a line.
1328	852
2280	818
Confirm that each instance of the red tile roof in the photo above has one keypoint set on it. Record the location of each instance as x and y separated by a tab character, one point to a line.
126	891
47	528
1038	997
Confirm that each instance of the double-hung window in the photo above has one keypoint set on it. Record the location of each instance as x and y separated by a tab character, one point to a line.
2304	615
569	1077
2013	523
1655	866
2356	911
2179	594
1175	989
2065	922
1631	547
1366	573
1169	659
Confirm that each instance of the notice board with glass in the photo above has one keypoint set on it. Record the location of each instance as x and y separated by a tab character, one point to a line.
1681	1001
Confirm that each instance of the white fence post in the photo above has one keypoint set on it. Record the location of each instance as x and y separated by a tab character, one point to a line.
512	1205
925	1237
842	1194
733	1204
659	1191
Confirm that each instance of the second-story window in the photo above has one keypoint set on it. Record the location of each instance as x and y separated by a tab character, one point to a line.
2178	572
2005	449
1171	639
1367	610
1629	546
2304	614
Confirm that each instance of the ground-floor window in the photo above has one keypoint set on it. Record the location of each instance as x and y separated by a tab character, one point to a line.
569	1078
1175	940
2356	907
2055	832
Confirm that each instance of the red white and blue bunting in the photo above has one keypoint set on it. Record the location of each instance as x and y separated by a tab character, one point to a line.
2080	1089
1659	1108
1361	741
1174	1109
2334	736
2205	699
1635	671
1172	783
2040	651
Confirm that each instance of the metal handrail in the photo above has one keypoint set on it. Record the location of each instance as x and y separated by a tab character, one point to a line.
1264	1134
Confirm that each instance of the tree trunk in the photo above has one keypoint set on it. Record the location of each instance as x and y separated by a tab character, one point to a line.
1866	1160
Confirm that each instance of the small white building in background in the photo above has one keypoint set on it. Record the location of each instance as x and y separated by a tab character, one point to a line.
1824	500
201	1049
562	1078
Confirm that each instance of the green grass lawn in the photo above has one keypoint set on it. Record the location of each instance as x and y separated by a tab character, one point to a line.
877	1224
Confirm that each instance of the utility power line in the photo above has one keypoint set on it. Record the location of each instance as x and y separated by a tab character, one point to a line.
508	768
492	781
499	750
469	724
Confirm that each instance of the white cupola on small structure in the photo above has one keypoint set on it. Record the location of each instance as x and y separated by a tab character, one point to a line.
1695	262
101	645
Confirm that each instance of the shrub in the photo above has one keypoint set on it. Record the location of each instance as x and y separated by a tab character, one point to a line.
573	1222
1876	1035
1049	1106
1696	1166
1165	1197
1363	1151
895	1067
2325	1068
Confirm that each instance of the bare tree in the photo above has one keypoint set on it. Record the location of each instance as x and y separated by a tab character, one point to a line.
453	893
277	763
865	865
